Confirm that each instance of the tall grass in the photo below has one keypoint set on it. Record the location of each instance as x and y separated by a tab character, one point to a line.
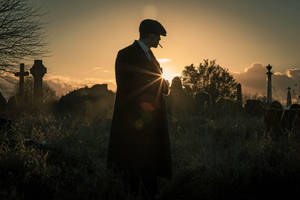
213	158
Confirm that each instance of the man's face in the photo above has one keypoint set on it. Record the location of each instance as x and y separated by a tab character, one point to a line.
154	38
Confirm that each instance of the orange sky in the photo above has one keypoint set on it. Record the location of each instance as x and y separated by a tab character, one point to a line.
85	36
243	36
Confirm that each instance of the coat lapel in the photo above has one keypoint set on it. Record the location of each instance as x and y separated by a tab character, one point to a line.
155	63
141	53
152	65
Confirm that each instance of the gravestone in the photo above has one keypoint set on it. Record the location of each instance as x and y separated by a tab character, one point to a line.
272	120
291	118
239	95
203	101
269	90
178	102
288	98
2	102
12	104
38	71
21	74
254	107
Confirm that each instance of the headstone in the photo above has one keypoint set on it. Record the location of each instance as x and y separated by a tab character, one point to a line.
38	71
21	74
254	107
2	102
239	95
227	105
269	90
203	101
272	120
289	118
289	98
11	104
179	103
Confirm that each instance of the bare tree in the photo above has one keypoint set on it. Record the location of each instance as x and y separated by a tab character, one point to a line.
21	32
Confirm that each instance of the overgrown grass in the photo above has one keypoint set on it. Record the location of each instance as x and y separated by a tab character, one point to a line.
229	157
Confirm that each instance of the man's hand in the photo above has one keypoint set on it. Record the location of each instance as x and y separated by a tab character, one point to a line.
168	83
166	87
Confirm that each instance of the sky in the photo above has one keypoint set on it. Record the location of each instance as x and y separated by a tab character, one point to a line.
85	35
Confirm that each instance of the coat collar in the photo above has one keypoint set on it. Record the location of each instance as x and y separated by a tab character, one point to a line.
144	47
153	62
141	50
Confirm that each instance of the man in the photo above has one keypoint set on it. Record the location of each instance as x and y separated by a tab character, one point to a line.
139	141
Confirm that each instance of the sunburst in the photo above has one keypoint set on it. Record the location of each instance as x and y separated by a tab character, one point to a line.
158	78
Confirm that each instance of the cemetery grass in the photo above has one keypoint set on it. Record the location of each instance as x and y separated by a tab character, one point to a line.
213	158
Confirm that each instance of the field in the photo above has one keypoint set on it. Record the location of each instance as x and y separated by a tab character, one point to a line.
48	157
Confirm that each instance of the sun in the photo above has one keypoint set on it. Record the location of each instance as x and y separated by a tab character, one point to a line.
168	75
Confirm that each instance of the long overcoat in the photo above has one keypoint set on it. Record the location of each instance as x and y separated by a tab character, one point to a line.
139	138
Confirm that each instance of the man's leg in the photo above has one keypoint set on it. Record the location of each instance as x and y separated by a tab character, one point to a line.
149	186
131	182
141	185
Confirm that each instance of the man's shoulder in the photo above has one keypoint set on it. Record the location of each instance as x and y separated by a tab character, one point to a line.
128	50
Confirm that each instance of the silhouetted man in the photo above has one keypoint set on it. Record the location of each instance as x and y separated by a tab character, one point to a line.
139	141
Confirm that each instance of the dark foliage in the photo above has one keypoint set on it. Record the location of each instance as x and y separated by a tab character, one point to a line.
95	103
209	77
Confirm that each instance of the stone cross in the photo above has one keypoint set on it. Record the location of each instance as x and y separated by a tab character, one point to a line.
21	74
269	91
289	97
38	71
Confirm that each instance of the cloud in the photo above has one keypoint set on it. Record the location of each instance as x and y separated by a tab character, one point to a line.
60	84
97	68
292	73
163	60
63	84
254	81
100	70
8	84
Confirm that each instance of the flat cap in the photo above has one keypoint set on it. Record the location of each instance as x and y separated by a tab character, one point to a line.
152	26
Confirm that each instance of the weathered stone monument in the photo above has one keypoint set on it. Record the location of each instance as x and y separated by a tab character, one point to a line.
21	74
239	95
12	103
38	71
269	90
289	97
254	107
203	101
2	102
178	102
272	120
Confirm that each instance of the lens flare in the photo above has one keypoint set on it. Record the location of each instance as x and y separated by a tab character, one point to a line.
168	76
